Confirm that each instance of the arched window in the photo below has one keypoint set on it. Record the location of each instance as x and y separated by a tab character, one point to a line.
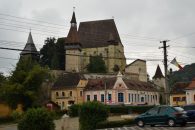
57	94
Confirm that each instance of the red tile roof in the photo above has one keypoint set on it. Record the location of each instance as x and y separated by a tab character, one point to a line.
179	87
191	85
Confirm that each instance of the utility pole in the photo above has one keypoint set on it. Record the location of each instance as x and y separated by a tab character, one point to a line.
167	93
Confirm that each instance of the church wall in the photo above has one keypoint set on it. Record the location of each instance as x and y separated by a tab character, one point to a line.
73	61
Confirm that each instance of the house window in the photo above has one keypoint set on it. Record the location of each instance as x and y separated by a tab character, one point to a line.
63	94
176	98
151	98
138	97
129	97
120	97
57	94
142	99
81	93
109	97
70	93
56	102
62	104
183	98
95	97
102	97
135	97
88	97
132	97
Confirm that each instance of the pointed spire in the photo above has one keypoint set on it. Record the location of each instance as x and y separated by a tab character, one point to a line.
158	73
29	47
73	20
30	39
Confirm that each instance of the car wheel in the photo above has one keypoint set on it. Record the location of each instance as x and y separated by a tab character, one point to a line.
171	122
140	123
183	124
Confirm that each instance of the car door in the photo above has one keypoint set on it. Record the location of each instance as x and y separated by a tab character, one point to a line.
163	114
151	116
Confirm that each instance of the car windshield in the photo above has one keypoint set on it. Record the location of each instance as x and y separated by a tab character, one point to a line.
191	107
179	109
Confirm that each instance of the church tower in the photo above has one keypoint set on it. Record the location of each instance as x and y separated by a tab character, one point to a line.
30	49
159	78
73	48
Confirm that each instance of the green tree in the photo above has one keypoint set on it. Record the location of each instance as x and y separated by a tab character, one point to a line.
53	54
24	84
36	119
96	65
2	79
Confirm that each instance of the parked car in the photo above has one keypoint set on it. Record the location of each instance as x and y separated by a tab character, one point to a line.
190	109
167	115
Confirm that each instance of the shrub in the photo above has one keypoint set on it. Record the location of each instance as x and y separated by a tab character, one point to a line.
17	116
5	120
73	110
90	114
129	109
113	124
36	119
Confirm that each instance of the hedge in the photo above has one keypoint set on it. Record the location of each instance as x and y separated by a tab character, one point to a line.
90	114
129	109
73	111
113	124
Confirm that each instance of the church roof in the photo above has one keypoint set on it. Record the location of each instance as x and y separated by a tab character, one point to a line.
158	73
135	61
29	47
73	33
97	33
73	20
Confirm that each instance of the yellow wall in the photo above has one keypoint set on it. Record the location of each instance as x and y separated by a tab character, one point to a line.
177	103
4	110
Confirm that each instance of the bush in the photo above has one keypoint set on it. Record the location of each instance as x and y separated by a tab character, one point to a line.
113	124
129	109
36	119
73	111
17	116
90	114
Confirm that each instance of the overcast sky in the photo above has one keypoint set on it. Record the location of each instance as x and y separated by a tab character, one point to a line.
142	24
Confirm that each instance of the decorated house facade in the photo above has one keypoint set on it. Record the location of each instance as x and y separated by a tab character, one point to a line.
119	90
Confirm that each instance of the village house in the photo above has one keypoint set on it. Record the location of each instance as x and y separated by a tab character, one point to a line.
119	90
178	94
190	92
68	90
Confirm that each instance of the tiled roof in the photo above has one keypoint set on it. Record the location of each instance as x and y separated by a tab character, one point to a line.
72	35
158	73
67	80
97	33
99	84
192	84
29	47
179	87
139	85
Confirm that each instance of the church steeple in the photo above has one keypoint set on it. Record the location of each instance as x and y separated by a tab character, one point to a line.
30	48
73	20
158	73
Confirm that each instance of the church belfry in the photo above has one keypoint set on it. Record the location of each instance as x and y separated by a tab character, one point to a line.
30	49
73	48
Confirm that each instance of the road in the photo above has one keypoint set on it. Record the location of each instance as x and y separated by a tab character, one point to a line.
188	127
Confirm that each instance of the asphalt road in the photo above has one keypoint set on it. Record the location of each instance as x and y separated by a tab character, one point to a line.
188	127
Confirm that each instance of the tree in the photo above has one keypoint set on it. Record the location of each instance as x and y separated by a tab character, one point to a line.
96	65
2	79
24	84
53	54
